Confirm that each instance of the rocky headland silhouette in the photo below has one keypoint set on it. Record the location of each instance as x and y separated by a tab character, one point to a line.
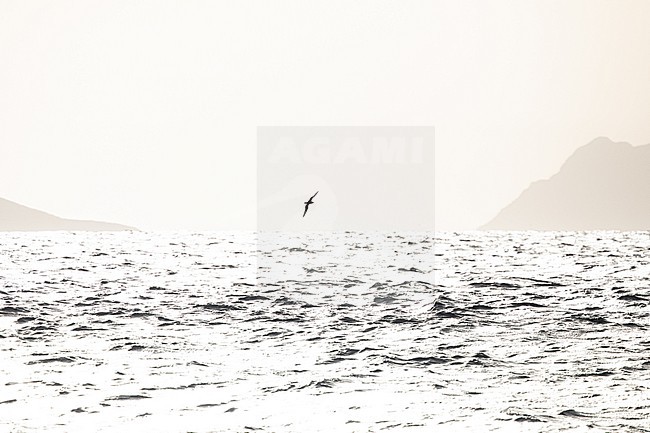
604	185
16	217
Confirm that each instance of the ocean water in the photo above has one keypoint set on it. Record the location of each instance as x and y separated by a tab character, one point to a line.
510	331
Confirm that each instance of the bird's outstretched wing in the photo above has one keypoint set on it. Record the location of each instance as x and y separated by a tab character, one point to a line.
312	197
305	213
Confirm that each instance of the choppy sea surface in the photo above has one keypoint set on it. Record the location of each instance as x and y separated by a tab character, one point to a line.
335	332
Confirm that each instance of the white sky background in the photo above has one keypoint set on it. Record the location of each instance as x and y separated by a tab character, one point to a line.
145	112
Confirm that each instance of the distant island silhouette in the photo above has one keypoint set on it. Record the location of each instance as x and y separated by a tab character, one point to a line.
16	217
603	186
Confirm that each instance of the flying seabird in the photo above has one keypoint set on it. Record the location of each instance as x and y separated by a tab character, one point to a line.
307	203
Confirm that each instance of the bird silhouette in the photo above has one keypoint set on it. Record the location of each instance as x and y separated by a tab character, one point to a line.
307	203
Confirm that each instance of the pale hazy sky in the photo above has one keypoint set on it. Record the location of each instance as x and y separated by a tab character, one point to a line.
145	112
